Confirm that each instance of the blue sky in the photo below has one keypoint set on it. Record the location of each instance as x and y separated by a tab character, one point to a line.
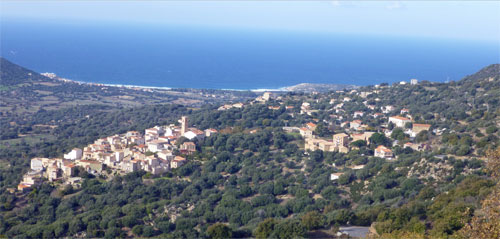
459	20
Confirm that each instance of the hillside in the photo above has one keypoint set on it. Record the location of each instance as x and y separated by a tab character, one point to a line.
12	74
23	91
491	72
272	169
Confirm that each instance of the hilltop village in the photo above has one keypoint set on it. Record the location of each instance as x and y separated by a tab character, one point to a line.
157	150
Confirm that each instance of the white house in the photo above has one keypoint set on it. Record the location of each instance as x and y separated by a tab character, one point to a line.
130	166
399	121
36	164
177	162
194	133
156	145
166	155
358	114
75	154
210	132
119	156
305	132
383	152
404	111
137	140
387	109
335	176
355	124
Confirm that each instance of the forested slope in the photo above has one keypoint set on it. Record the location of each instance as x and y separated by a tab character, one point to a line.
253	179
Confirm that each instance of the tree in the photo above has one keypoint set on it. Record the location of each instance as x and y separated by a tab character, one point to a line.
408	125
491	129
345	178
129	221
92	229
320	130
60	229
398	134
75	226
112	232
288	229
359	143
422	136
380	139
265	228
219	231
312	220
137	229
148	231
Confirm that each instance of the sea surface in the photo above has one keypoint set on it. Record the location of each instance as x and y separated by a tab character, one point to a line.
196	57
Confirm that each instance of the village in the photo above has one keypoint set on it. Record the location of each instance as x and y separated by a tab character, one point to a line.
153	152
156	151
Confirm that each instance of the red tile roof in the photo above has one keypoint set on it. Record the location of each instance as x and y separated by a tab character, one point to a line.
383	148
401	118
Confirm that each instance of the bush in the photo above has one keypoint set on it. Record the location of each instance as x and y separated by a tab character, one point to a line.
219	231
313	220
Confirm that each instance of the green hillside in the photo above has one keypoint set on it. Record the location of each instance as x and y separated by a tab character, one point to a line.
255	179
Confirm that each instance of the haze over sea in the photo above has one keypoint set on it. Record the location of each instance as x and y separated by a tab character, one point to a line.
190	57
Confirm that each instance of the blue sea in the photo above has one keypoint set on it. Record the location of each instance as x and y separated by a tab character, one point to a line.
197	57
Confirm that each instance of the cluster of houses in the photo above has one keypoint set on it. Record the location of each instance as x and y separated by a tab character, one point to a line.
155	152
357	130
341	141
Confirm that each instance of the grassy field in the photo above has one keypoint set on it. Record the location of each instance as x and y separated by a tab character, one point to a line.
30	139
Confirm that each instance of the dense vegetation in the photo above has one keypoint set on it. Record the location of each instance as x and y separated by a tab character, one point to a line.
255	180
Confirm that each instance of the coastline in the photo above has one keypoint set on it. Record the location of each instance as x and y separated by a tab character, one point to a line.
53	76
139	87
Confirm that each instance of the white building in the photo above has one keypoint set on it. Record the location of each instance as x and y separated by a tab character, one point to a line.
36	164
158	131
266	96
383	152
156	145
75	154
194	133
177	162
119	156
358	114
210	132
335	176
414	81
130	166
306	133
387	109
166	155
399	121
